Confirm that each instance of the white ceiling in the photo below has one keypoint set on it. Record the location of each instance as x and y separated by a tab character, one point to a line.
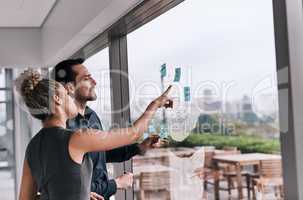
70	25
24	13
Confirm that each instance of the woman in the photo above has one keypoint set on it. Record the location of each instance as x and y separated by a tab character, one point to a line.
56	163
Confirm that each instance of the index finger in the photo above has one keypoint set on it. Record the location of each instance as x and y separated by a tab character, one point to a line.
167	90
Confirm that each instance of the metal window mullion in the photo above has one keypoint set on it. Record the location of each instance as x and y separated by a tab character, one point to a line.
10	115
5	102
120	97
125	101
6	88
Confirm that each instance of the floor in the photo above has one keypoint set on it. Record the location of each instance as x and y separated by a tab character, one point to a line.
7	190
209	195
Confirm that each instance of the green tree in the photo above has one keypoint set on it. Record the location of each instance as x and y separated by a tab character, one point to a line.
207	124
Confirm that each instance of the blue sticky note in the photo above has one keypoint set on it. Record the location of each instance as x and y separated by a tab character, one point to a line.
177	74
163	70
186	93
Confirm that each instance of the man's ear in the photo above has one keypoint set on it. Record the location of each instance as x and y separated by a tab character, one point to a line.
70	88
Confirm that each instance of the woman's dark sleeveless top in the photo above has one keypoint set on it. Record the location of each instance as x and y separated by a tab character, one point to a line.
57	176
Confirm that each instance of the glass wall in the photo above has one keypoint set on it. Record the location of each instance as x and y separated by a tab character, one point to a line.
220	58
7	155
98	66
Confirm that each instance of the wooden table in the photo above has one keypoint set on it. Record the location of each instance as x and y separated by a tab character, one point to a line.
240	160
150	169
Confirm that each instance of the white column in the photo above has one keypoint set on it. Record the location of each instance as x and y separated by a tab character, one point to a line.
289	51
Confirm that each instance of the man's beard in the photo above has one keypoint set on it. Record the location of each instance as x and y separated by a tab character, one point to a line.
91	98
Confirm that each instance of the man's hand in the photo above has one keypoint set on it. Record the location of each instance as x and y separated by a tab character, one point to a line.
95	196
151	142
125	181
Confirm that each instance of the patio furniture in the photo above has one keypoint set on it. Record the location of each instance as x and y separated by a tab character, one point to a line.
169	174
239	161
152	179
229	172
155	182
161	156
270	175
208	172
225	172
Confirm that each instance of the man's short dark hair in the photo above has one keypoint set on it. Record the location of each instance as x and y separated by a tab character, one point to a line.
63	72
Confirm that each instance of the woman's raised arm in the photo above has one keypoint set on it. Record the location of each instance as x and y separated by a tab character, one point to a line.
90	140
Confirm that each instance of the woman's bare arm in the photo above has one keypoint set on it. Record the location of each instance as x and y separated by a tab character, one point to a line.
90	140
28	189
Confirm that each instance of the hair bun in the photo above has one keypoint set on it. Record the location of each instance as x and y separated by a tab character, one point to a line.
27	81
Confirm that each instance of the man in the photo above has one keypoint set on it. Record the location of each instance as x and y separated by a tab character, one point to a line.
80	84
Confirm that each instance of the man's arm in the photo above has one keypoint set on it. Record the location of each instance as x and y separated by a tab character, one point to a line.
100	183
127	152
122	154
106	188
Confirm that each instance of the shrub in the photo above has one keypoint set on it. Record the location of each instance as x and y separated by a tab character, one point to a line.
246	144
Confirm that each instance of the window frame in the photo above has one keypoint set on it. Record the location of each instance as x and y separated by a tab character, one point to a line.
115	37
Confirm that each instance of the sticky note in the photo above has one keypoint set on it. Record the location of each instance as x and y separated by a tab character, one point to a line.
186	93
151	129
177	74
163	131
163	70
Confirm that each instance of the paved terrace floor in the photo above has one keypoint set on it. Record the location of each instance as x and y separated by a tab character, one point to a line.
7	189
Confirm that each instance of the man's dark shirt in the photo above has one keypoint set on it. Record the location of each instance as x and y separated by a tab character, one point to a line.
101	184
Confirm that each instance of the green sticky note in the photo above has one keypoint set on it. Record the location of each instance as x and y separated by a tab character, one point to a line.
163	70
187	93
177	74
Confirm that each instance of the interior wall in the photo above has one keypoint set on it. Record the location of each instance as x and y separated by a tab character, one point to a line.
20	47
70	25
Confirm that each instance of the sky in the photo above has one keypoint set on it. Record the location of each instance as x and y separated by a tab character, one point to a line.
227	46
216	42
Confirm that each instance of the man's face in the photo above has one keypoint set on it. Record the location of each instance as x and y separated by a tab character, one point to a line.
84	84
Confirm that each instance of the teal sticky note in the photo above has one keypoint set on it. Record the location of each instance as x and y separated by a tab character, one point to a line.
186	93
177	74
163	70
163	131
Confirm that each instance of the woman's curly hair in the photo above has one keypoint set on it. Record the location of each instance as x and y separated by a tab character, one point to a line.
36	93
